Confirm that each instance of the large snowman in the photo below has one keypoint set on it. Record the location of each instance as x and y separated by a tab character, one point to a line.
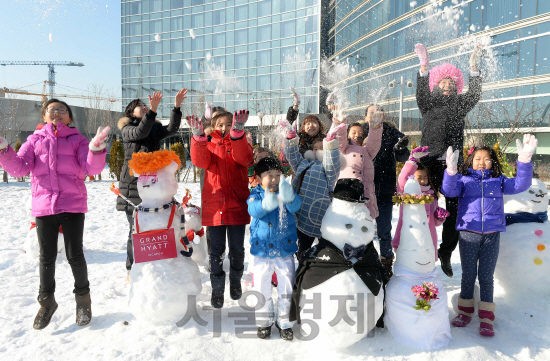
339	283
415	264
523	260
160	289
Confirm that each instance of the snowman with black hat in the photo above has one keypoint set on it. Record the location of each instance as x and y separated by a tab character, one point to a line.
339	290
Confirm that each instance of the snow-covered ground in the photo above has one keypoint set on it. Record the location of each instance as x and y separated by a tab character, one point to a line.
521	332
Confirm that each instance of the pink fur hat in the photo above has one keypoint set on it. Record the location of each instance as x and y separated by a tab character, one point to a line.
446	70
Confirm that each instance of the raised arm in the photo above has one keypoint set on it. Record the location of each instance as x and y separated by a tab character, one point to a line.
331	162
374	139
17	164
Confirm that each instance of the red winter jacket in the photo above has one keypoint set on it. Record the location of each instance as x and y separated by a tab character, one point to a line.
225	189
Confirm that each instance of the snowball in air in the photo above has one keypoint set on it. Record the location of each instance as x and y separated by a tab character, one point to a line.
157	38
208	56
192	33
51	37
188	65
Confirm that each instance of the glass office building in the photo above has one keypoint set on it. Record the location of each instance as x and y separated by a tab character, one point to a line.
241	54
377	38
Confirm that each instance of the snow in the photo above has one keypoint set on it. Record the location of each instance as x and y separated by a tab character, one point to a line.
522	326
50	37
192	33
157	38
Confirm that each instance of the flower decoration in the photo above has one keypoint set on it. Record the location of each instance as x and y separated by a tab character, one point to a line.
400	198
424	294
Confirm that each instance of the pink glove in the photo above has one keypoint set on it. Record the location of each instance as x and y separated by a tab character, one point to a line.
196	128
441	213
239	120
331	135
97	144
418	153
288	130
207	111
423	55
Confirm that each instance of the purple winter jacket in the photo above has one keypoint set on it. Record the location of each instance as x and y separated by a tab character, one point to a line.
481	203
58	161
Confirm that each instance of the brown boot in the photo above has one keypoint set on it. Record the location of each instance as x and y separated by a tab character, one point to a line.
83	309
388	265
47	308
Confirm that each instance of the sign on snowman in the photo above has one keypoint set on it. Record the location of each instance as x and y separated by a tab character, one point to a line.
424	329
339	283
165	278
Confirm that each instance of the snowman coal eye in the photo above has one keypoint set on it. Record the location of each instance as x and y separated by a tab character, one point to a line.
364	229
348	226
531	191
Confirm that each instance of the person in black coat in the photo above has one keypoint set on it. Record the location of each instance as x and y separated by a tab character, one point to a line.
393	148
141	132
444	108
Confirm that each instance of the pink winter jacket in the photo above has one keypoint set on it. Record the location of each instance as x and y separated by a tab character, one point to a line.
408	170
359	162
58	161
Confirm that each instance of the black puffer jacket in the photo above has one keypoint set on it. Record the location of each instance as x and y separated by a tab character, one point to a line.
141	136
443	115
393	148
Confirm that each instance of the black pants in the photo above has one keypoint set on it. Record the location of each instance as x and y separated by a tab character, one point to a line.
47	229
304	243
235	236
449	235
129	249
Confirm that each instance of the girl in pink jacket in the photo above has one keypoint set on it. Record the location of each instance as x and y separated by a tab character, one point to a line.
359	155
58	158
436	215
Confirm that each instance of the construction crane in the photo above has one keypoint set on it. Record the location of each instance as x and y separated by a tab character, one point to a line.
44	96
51	69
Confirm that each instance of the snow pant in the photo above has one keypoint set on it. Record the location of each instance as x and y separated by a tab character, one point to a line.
383	228
47	229
129	249
304	243
263	270
449	235
235	236
484	248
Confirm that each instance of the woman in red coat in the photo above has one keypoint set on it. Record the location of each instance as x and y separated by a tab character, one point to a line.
226	159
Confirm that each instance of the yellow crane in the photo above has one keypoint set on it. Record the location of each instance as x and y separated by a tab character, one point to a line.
44	95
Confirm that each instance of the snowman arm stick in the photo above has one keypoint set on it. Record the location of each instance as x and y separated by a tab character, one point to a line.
521	182
116	191
295	205
452	185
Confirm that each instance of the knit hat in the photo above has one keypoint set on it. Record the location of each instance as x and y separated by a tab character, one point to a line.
349	190
446	70
267	164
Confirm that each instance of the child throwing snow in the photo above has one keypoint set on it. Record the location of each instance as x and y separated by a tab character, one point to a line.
226	159
58	158
436	215
273	243
480	188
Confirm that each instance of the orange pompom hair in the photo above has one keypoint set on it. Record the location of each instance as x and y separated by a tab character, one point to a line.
142	163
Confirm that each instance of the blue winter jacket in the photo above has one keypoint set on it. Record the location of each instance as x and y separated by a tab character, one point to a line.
480	202
269	237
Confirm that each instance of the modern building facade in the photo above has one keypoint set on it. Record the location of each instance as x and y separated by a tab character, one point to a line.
377	38
242	54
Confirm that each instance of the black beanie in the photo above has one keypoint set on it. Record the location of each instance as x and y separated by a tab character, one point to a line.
267	164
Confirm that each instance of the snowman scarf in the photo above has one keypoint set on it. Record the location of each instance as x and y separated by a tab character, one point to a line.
525	217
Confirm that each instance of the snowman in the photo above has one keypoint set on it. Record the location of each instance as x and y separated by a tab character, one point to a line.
339	291
415	265
160	289
194	231
32	248
523	259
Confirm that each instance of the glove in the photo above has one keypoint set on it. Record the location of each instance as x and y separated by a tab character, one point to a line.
376	119
286	192
452	161
527	149
418	153
441	213
476	55
3	143
207	111
239	120
196	127
331	135
401	143
270	201
97	144
295	96
289	131
423	54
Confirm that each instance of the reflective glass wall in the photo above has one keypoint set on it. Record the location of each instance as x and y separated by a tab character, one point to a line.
241	54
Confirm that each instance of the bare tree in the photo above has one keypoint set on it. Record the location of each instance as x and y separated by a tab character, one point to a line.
12	121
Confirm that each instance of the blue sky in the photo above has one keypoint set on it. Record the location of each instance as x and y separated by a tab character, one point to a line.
86	31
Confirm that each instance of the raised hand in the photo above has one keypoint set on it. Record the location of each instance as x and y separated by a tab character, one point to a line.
239	120
332	99
418	153
154	100
376	119
288	130
3	143
97	144
401	143
452	161
207	111
196	127
331	135
476	56
423	54
295	96
270	201
180	97
527	149
286	192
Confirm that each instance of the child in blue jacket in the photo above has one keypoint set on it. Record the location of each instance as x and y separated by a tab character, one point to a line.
480	188
273	243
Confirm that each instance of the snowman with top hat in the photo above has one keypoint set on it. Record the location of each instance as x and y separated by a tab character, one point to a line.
416	302
339	289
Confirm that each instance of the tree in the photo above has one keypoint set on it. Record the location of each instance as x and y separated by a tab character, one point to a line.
507	169
116	159
180	151
12	120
